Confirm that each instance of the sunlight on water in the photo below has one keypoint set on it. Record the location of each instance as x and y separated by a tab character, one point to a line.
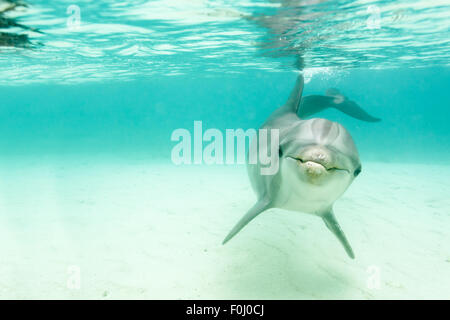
109	40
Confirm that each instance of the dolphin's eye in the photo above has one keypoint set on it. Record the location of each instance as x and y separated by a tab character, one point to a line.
357	171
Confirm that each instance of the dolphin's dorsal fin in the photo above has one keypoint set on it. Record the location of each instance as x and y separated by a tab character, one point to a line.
260	206
293	103
333	225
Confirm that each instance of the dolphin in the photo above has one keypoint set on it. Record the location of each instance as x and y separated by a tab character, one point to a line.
317	160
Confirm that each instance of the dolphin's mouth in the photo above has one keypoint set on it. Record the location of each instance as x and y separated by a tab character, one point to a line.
318	162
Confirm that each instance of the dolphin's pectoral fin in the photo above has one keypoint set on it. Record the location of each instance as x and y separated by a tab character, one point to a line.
315	103
259	207
333	225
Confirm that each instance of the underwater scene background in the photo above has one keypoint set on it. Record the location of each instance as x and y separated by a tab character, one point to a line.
92	205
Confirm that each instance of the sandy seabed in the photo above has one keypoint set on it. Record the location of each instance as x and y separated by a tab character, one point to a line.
142	230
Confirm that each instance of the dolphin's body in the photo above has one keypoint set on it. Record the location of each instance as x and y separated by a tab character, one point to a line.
317	158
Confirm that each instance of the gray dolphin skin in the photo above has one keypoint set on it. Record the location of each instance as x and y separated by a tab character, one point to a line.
333	99
317	161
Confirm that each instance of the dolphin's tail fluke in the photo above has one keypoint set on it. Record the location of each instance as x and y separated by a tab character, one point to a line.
333	99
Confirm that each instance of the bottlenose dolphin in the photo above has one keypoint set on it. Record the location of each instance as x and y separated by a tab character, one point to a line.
317	158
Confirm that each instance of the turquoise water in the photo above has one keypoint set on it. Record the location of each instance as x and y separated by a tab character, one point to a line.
102	92
126	74
139	116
